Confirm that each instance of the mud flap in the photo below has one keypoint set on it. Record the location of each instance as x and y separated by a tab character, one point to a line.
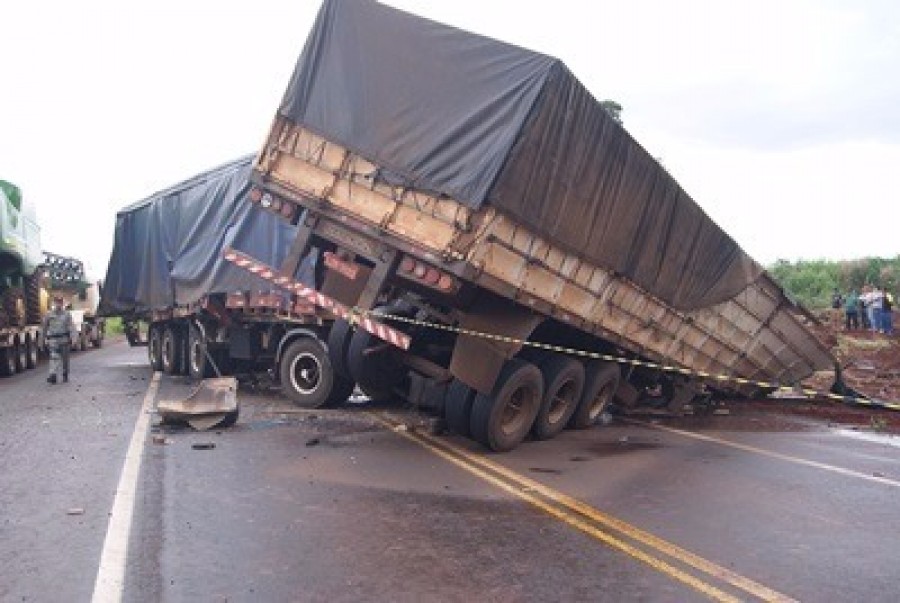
477	361
212	403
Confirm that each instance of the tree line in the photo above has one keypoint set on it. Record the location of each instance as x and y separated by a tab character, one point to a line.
812	282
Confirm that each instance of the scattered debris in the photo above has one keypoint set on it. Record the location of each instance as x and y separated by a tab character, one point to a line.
721	411
212	403
203	446
313	442
75	511
160	439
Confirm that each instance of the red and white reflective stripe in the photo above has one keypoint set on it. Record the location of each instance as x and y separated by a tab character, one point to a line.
382	331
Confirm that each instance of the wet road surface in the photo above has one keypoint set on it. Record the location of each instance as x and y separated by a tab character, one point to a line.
359	504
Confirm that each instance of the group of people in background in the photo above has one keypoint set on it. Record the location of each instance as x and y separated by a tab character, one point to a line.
871	309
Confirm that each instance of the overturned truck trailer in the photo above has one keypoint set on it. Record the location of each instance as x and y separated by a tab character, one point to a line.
477	193
202	314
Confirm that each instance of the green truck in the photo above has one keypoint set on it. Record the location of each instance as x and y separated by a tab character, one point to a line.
20	282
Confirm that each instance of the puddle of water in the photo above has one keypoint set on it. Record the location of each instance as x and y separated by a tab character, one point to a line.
867	436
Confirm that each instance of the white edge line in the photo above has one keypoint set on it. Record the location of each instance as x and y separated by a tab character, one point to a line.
777	455
110	583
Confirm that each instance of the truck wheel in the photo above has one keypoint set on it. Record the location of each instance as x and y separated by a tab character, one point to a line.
375	371
31	353
341	391
21	353
199	365
154	347
458	407
502	420
14	307
7	362
33	297
339	337
171	351
307	377
601	383
83	341
564	379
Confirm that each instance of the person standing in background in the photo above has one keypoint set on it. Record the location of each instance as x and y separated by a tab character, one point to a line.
876	300
58	327
851	309
887	313
864	307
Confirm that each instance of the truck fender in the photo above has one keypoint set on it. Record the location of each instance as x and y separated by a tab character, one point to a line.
290	337
477	361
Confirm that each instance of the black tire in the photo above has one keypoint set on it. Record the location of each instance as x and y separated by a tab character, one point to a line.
98	341
306	374
564	383
14	307
7	362
82	340
199	366
341	390
31	353
154	347
376	373
339	337
21	353
601	383
170	351
458	407
502	420
33	297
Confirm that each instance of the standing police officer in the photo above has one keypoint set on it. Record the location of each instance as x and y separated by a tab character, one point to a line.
58	327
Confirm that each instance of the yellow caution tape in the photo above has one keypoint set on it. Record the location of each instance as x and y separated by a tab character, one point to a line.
811	393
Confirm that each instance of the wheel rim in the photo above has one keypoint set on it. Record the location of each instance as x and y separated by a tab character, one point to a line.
515	410
21	356
598	404
561	402
306	373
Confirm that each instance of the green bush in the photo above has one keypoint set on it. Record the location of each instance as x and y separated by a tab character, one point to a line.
114	326
812	282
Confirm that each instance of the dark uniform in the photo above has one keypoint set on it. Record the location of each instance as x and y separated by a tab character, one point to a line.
58	327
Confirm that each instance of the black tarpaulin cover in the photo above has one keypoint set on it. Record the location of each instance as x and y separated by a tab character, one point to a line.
168	247
486	122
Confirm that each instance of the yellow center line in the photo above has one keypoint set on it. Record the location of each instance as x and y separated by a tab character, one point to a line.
776	455
525	489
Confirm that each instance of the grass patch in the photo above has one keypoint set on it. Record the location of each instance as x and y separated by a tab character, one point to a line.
114	325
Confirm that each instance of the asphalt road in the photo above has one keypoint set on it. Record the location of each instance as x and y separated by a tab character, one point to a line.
364	504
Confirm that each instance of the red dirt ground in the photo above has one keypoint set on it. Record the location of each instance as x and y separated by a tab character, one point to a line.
871	366
870	363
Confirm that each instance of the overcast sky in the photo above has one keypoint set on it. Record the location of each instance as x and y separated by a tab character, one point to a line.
780	118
